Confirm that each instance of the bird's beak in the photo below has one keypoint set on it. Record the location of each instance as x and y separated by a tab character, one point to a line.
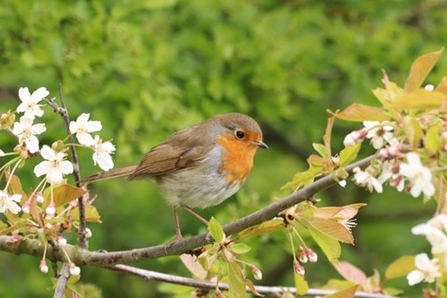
261	144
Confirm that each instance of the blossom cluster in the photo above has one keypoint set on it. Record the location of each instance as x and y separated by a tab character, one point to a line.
408	167
40	211
428	270
55	165
402	170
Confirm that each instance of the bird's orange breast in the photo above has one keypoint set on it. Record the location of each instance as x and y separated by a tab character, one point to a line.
237	159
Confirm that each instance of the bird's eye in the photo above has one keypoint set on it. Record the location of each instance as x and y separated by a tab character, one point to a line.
240	134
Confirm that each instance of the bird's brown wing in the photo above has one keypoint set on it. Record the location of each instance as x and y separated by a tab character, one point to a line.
183	149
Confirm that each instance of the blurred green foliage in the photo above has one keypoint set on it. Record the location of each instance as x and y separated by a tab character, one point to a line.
147	68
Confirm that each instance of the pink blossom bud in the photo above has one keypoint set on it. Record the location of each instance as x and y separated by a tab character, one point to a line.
43	267
74	270
39	197
26	207
257	274
61	241
88	233
354	137
302	256
311	255
50	210
298	268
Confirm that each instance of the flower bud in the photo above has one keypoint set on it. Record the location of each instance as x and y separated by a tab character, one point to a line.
298	268
311	255
43	267
26	207
74	270
257	274
88	233
50	210
61	241
39	197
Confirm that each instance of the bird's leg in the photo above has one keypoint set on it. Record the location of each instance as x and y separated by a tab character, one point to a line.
195	214
178	231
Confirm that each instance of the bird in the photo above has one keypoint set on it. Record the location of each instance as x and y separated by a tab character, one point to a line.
199	166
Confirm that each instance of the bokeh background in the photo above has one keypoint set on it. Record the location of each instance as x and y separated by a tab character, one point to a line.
147	68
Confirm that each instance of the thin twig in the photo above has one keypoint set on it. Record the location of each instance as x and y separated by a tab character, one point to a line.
62	279
82	240
209	285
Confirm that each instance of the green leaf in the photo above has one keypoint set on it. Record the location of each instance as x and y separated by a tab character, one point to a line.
432	137
266	227
301	284
303	178
348	292
322	150
349	153
420	99
236	281
329	245
240	248
420	68
388	95
359	113
216	231
400	267
413	131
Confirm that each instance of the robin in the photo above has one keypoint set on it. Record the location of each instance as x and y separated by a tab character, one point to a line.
199	166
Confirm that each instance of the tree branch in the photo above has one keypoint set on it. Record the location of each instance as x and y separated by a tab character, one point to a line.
209	285
62	279
84	257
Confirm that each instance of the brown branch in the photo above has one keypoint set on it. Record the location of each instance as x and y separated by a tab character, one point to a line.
84	257
62	279
209	285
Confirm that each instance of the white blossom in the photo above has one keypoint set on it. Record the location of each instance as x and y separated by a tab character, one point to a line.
30	102
367	179
26	131
9	202
434	230
379	134
101	154
82	128
418	175
54	166
427	270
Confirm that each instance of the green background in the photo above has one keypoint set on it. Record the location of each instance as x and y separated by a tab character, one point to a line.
148	68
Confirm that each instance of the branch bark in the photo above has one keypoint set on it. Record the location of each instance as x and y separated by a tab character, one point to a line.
84	257
208	285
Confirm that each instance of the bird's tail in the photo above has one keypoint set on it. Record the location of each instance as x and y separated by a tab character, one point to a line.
115	173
